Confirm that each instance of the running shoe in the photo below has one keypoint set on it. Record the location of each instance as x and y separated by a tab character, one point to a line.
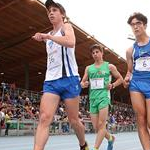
94	148
84	147
111	143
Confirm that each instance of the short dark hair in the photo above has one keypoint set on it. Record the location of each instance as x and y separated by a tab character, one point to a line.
139	16
50	3
96	46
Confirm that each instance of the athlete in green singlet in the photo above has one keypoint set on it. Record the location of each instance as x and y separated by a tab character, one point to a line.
98	78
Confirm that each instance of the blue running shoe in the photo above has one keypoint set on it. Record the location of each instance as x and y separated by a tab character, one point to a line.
94	148
111	143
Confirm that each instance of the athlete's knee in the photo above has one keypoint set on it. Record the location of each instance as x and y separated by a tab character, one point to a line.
45	119
74	122
101	125
95	128
141	120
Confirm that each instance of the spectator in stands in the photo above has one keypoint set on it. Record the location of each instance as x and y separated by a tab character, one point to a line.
2	118
137	77
112	121
7	121
65	125
97	76
62	78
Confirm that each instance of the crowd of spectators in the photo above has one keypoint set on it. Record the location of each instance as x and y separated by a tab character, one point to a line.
19	104
121	116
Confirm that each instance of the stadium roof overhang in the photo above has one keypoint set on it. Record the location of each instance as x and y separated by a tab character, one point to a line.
22	58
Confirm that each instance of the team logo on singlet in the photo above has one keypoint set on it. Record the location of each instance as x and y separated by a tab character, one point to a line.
77	87
101	72
142	51
50	44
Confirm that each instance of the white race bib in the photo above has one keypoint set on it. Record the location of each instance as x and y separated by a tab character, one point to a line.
142	64
97	83
54	57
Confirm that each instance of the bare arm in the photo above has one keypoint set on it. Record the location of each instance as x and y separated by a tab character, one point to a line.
115	73
67	40
129	61
130	66
84	82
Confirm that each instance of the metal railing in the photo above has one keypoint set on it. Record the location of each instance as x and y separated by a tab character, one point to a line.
28	127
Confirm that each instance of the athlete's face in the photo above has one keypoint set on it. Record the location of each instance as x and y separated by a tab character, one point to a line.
55	15
97	55
138	27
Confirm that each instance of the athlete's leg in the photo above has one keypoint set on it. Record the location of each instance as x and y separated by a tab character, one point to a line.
101	126
148	114
72	108
48	106
108	136
94	119
139	106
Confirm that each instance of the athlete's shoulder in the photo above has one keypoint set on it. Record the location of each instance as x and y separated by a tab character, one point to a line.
67	25
89	67
112	66
129	50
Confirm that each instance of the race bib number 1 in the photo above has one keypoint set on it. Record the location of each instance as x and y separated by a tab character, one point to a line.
97	83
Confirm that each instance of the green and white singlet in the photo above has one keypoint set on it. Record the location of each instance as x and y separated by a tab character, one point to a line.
99	78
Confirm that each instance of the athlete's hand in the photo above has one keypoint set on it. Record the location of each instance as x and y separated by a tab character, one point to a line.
126	82
84	84
110	86
40	37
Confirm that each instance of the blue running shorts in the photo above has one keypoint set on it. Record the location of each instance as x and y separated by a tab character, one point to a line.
142	86
66	87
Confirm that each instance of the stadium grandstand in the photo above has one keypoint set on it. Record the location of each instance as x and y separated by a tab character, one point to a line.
23	65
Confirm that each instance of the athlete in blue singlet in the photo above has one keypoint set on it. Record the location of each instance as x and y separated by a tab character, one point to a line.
62	78
138	76
141	69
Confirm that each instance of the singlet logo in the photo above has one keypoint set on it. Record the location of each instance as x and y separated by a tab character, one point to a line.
101	72
142	52
50	44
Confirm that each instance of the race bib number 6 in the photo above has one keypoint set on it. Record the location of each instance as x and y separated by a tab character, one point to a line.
142	64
